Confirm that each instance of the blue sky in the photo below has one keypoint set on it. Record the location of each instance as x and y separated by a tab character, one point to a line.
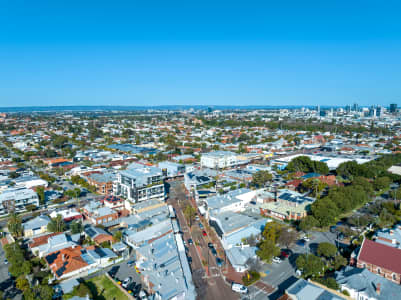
199	52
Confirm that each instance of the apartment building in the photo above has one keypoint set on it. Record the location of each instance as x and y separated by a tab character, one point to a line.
16	199
139	183
102	181
219	159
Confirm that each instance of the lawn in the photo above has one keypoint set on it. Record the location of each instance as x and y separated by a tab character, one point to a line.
104	289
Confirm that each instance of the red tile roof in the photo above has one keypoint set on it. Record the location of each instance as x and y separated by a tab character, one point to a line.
41	240
66	261
381	255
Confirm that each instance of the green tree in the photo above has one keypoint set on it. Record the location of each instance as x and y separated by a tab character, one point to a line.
260	178
76	227
56	224
190	213
267	250
310	265
339	262
26	267
381	183
82	290
308	223
117	236
14	225
327	250
22	283
272	231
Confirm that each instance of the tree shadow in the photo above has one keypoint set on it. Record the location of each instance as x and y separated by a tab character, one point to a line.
95	292
313	247
282	287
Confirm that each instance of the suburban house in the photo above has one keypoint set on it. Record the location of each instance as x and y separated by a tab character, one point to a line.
77	261
35	226
98	235
56	242
68	214
363	284
306	290
100	215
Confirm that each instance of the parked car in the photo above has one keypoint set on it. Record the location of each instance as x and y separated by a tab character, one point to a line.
6	262
306	239
190	241
276	260
142	295
213	250
130	263
136	290
126	282
239	288
210	245
113	271
204	233
201	226
219	262
190	259
285	253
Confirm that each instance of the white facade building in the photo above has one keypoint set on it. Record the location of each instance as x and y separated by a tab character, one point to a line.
219	159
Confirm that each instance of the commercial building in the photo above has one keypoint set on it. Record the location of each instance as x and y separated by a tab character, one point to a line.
172	169
288	205
381	259
219	159
140	183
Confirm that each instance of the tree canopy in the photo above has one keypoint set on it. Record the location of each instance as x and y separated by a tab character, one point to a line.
306	165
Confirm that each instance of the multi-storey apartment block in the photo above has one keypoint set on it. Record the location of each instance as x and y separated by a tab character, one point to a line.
139	183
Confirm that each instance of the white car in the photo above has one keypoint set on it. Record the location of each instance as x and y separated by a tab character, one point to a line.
239	288
306	239
126	282
276	260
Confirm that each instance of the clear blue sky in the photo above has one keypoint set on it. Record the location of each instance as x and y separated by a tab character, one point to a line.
200	52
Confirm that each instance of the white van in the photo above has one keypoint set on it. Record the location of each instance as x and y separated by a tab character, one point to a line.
239	288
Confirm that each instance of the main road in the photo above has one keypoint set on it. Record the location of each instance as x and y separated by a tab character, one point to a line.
212	284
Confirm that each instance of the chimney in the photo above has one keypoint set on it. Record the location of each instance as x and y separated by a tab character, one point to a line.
62	257
378	288
391	232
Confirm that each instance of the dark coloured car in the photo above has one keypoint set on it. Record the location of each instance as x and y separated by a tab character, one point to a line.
213	250
113	271
130	263
200	226
285	253
210	245
190	241
190	259
219	262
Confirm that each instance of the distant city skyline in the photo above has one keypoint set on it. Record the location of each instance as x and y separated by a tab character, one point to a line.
135	53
